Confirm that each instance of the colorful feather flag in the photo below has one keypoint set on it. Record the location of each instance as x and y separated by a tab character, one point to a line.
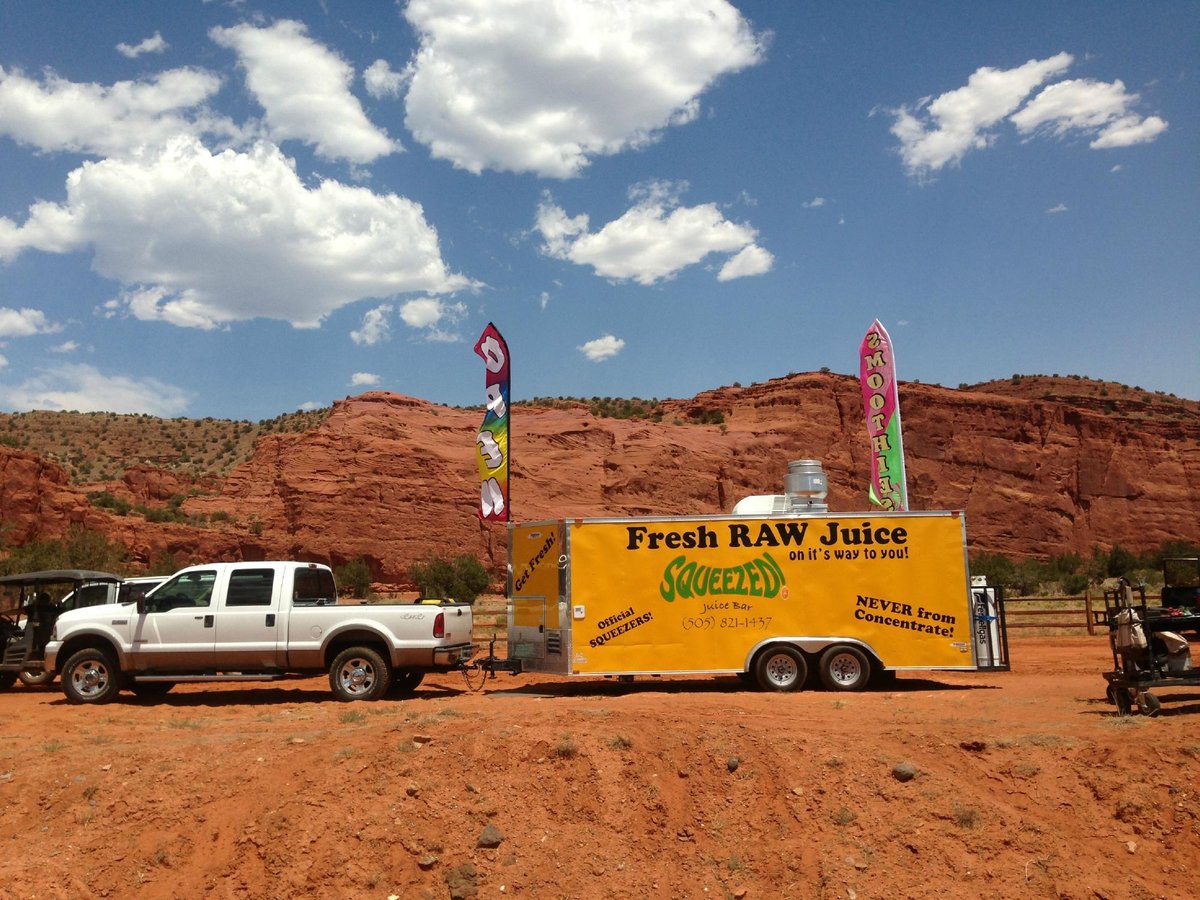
881	404
491	444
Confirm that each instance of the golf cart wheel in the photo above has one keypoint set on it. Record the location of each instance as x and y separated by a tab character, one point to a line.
1121	698
1149	704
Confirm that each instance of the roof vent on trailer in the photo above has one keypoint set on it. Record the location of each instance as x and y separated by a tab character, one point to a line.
805	489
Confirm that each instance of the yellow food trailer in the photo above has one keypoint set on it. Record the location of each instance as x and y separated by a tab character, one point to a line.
849	598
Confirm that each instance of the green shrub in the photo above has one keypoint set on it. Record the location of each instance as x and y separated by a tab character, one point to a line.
354	578
464	578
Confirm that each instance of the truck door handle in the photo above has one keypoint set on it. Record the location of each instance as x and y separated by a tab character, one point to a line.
270	620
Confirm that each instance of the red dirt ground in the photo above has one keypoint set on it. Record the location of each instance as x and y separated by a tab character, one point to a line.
1028	785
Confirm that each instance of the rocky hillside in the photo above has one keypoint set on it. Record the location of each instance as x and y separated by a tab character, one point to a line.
1041	464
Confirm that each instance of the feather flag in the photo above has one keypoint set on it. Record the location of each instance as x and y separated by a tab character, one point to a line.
491	444
881	404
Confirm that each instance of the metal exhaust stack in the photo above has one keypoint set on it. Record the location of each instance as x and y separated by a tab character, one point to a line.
806	486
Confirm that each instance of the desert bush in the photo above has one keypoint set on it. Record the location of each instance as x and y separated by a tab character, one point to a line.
463	578
354	577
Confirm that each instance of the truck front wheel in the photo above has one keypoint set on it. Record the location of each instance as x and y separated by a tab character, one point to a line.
780	669
91	676
35	678
359	673
845	668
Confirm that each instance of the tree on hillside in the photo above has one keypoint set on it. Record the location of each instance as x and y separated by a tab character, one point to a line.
82	549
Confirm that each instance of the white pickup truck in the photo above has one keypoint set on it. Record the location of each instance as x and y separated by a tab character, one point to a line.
254	621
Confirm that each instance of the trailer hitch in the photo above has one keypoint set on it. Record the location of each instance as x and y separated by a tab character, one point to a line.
489	665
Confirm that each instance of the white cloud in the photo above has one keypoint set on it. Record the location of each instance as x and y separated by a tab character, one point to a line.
751	260
24	322
309	406
544	299
201	240
529	86
304	88
1091	107
959	121
942	131
1054	210
359	379
65	347
1127	131
55	114
84	388
154	44
602	348
382	81
375	326
3	361
814	203
653	240
434	315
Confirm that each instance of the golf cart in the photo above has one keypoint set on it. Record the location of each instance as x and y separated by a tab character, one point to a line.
30	604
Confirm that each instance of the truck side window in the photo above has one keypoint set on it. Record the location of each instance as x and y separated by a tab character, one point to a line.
314	587
251	587
189	590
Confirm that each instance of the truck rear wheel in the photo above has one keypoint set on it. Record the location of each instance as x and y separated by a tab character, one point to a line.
151	690
780	669
844	668
359	673
405	681
91	676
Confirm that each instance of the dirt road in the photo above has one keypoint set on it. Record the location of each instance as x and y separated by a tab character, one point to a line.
1026	785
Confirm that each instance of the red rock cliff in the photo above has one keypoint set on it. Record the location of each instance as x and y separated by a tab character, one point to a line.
392	478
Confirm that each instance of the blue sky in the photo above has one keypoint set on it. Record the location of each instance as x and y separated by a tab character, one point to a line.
238	209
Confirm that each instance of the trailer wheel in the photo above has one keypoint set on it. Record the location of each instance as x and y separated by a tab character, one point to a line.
844	668
359	673
780	668
91	676
405	681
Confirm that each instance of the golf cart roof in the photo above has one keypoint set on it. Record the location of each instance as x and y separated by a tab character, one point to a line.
58	576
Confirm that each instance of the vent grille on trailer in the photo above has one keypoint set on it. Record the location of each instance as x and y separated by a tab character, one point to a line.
554	642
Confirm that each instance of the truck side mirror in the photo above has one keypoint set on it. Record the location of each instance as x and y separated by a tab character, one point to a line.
141	604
